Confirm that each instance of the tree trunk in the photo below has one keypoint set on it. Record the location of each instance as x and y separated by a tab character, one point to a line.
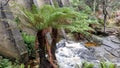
44	63
41	40
105	13
54	41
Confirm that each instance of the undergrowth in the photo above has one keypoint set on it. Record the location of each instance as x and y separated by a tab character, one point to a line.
6	63
29	41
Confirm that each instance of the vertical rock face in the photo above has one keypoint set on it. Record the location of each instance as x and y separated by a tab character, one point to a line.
11	43
66	2
16	11
39	3
6	47
24	3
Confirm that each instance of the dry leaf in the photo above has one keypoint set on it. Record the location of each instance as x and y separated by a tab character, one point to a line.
89	44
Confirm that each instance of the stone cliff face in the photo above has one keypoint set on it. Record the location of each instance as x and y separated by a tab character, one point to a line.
39	2
11	43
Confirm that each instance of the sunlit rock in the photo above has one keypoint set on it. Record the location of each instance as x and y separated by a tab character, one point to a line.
70	54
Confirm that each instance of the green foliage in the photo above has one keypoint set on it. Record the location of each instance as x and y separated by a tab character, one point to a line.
17	20
49	16
81	6
22	66
6	63
102	65
81	24
83	18
107	65
29	41
88	65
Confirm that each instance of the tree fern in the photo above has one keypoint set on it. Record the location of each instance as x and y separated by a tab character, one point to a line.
81	24
49	16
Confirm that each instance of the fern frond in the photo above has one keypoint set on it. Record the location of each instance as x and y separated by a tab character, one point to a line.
49	16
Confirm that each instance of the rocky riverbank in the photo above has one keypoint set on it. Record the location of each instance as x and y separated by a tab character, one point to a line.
72	54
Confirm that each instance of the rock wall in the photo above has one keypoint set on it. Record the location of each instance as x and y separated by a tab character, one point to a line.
39	3
11	42
66	2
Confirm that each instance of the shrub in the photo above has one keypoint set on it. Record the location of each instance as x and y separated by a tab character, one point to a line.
29	41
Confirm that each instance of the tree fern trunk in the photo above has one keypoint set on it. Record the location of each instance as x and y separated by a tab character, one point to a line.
44	63
54	41
41	40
